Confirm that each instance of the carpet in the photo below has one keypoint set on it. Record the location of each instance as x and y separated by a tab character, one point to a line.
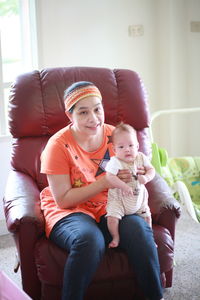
186	279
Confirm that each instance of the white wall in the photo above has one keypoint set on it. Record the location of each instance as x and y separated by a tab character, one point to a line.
5	147
95	33
178	75
193	76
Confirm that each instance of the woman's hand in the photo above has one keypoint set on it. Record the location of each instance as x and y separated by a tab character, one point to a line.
125	175
141	171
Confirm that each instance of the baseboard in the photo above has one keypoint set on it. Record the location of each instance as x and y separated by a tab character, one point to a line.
3	227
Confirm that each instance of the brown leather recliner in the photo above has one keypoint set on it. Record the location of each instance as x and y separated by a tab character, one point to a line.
36	111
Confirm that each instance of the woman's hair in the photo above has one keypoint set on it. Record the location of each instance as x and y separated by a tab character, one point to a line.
77	91
122	127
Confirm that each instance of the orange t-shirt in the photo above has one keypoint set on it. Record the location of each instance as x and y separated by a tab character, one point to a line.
62	155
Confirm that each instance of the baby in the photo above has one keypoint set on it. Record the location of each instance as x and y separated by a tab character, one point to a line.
127	198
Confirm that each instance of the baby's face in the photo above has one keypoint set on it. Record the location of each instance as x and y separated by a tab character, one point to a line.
126	146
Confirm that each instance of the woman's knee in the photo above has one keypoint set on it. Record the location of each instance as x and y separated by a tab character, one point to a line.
78	231
91	239
134	228
133	223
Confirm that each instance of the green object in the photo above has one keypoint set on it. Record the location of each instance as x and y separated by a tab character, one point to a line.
159	158
185	169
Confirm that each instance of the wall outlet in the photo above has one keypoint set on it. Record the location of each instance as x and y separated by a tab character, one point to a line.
135	30
195	26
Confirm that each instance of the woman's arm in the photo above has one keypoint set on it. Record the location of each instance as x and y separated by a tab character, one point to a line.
67	197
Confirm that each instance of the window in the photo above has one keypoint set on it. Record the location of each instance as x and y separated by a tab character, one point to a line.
17	47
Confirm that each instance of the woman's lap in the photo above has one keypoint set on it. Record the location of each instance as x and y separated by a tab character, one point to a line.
85	240
79	235
77	226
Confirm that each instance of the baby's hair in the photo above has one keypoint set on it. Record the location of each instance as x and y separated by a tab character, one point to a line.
122	127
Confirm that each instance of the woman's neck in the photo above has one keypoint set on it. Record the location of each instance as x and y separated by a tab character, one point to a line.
88	143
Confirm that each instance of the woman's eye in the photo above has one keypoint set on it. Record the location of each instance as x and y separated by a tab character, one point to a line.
83	112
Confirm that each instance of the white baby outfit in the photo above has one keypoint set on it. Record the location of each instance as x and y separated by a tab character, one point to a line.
119	205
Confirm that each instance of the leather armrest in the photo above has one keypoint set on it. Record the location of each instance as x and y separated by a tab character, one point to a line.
161	198
164	207
22	202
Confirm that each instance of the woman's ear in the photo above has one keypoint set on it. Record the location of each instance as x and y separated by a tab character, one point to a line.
69	115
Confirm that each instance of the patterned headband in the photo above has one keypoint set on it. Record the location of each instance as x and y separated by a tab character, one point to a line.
78	94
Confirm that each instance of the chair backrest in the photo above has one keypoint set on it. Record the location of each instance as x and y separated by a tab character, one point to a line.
36	109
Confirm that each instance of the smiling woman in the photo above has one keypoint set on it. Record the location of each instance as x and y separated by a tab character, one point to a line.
74	202
17	47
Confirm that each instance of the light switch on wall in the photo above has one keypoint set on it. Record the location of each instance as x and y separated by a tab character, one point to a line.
136	30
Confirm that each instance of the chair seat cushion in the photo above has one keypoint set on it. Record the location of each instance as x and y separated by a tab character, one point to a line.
50	260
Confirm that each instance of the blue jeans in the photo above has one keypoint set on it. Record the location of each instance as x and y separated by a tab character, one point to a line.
86	241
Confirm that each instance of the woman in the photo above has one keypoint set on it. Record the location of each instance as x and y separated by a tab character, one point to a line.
75	201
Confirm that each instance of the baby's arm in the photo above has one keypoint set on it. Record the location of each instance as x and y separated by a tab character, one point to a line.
119	184
149	171
149	175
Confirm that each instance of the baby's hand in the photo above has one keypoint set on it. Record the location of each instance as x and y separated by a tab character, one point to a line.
142	179
148	220
127	191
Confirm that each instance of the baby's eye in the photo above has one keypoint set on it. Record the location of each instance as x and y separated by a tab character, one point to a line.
131	145
121	147
98	110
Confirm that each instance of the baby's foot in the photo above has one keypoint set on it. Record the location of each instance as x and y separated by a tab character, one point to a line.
114	243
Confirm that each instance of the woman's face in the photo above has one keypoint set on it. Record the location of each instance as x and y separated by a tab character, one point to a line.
87	116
